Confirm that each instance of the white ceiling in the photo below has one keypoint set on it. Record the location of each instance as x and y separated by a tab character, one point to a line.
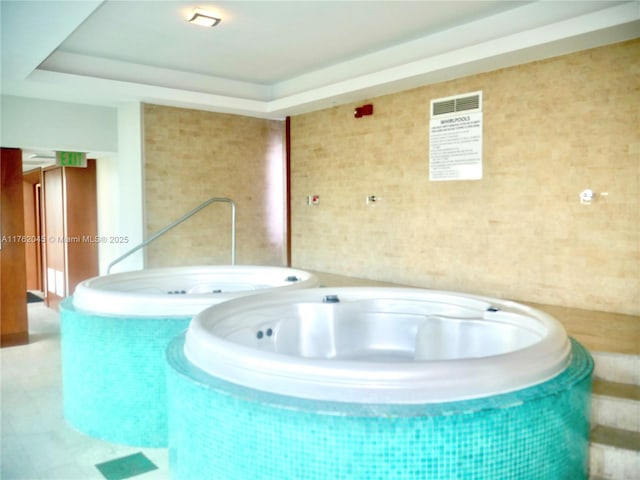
273	59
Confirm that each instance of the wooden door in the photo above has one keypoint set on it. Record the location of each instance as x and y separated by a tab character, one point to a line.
81	209
13	283
53	221
32	230
71	227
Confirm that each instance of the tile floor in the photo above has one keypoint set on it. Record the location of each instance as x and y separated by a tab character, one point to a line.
37	443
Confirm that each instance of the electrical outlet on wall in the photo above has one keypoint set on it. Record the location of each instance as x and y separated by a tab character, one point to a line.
313	199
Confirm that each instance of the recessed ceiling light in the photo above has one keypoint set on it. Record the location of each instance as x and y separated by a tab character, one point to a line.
204	18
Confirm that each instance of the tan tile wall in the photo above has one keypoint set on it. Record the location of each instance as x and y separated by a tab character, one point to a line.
551	129
191	156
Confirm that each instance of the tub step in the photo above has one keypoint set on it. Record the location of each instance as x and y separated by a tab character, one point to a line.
617	367
615	389
616	437
614	454
616	405
615	418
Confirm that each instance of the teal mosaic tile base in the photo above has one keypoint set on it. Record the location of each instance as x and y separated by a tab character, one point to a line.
220	430
113	375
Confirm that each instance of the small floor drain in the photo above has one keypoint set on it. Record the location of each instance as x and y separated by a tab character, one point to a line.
126	467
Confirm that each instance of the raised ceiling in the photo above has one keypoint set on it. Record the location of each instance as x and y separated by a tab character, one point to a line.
273	59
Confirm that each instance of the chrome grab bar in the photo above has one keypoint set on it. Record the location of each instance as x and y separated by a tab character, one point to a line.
177	222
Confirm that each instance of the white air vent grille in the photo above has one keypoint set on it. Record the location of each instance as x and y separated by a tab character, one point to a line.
461	103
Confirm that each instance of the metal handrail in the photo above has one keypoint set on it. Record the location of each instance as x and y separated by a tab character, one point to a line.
177	222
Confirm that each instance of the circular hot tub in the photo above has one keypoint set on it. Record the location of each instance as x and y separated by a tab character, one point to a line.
115	330
377	383
378	345
182	291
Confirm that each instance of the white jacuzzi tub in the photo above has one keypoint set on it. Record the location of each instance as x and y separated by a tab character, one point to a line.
182	290
377	345
114	333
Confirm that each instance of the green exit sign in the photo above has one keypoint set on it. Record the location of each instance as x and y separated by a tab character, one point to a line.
71	159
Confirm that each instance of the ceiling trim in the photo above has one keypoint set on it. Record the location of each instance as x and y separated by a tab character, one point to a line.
523	34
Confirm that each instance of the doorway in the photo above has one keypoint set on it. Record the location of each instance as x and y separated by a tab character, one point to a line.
48	220
32	189
69	219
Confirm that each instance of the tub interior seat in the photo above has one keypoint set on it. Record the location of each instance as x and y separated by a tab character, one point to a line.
201	288
223	287
384	330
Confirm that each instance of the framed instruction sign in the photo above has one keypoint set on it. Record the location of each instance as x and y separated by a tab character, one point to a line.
455	138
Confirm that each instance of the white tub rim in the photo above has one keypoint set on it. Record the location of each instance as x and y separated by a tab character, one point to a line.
97	295
421	381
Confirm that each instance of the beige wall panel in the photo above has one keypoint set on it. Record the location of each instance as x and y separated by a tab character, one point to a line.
551	129
191	156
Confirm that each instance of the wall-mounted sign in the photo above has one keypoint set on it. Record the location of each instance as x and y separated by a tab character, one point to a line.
71	159
455	139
